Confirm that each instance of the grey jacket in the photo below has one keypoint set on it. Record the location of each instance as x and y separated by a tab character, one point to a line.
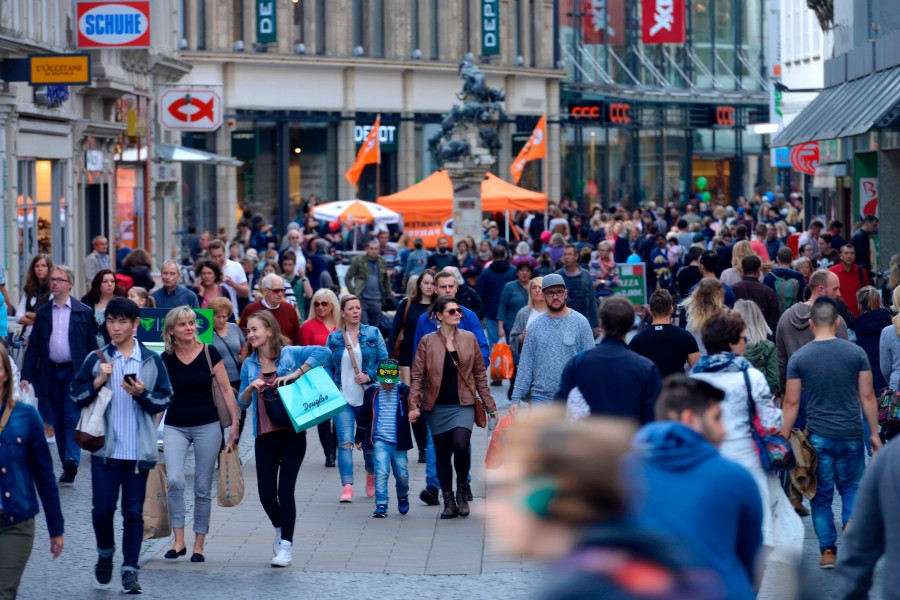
156	398
875	530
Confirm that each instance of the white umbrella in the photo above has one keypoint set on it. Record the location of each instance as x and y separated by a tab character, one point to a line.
355	211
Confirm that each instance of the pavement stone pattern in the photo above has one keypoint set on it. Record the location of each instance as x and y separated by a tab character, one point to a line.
339	549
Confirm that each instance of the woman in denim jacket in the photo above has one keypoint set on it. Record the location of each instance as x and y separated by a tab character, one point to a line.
278	447
352	379
25	464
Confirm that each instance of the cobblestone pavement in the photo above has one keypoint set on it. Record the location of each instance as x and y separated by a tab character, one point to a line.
340	551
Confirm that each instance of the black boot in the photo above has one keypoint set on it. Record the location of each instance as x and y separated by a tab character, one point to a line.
430	496
462	499
450	509
329	459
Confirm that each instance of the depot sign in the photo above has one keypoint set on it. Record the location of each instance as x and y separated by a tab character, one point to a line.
113	24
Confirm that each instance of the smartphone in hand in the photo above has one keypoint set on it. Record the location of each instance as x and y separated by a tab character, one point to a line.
129	378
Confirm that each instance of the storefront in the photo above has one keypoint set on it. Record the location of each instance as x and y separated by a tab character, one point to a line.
621	151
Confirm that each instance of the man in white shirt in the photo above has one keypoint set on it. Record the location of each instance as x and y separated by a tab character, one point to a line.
233	276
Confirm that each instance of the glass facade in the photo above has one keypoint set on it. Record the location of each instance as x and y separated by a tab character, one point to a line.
42	211
640	121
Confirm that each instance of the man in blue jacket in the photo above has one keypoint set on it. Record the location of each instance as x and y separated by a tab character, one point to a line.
684	488
445	284
64	333
489	286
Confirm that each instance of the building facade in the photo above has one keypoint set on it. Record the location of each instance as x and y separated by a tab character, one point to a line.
652	102
855	120
67	174
304	81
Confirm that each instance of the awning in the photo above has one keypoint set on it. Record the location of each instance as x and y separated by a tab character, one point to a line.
170	153
852	108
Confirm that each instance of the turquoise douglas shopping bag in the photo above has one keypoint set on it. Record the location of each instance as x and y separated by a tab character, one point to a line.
311	399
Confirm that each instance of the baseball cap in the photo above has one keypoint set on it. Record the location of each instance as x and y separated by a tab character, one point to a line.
388	371
552	280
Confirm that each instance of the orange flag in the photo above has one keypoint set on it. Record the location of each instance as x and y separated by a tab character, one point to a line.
534	148
369	153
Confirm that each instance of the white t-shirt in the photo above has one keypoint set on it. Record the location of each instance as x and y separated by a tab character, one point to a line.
236	272
534	314
353	392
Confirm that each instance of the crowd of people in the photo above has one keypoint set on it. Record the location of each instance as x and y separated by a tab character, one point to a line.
753	328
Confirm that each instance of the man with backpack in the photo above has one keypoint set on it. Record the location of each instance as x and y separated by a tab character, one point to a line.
787	283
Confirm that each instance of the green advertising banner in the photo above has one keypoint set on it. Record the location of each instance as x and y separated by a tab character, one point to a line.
632	283
490	27
265	21
150	325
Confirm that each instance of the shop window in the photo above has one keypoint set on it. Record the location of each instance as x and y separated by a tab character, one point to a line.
130	203
435	30
321	38
42	211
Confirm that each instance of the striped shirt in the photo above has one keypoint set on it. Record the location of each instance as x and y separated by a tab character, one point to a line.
387	415
123	409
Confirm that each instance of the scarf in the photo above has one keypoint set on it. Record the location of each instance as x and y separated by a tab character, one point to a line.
723	362
606	266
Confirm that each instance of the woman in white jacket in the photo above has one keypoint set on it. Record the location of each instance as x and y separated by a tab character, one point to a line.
725	338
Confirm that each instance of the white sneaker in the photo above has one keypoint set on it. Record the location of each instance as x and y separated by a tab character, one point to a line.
277	543
283	557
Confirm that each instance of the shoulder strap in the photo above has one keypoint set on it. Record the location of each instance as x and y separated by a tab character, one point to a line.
208	360
406	312
751	409
101	356
350	350
468	383
227	348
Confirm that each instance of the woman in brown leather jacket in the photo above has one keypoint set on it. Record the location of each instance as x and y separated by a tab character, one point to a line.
447	363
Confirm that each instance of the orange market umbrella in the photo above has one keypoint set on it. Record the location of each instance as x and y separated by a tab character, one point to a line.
355	211
433	197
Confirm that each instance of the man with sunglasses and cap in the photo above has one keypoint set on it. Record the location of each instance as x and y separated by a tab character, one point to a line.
383	425
553	339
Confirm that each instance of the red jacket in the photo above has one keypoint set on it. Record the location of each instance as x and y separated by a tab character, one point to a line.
851	282
285	314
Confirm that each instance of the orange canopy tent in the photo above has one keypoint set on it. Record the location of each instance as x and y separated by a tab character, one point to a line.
432	198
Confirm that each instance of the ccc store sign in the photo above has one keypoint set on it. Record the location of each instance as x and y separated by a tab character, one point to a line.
615	113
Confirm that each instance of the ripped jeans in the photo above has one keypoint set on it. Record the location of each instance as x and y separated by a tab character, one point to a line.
345	424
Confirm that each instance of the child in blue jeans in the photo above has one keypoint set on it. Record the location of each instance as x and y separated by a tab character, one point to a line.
383	426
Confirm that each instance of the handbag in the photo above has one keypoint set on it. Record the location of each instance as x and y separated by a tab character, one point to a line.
275	409
90	433
231	477
502	361
775	452
156	505
480	410
217	393
399	342
889	409
311	399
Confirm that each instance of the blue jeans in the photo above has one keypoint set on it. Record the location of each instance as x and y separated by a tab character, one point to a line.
493	335
65	414
107	477
345	424
387	457
841	464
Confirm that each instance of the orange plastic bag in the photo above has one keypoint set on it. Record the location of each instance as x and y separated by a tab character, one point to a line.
502	361
494	458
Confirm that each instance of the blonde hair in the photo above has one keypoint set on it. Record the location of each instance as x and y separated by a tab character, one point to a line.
868	299
534	280
172	318
757	328
411	286
895	301
707	300
220	303
7	397
327	295
894	279
741	250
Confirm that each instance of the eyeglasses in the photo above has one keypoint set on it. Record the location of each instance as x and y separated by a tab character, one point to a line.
276	290
554	293
454	311
746	339
318	304
58	280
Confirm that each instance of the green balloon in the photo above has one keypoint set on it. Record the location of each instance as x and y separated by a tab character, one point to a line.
701	183
706	196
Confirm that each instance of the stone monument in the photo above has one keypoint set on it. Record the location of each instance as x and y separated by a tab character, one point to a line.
466	144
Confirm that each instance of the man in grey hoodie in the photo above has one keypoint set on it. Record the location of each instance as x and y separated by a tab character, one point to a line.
793	330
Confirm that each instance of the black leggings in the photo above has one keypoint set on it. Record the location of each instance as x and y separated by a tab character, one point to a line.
282	449
453	443
420	432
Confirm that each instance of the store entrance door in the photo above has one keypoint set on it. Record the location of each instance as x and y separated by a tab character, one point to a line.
717	173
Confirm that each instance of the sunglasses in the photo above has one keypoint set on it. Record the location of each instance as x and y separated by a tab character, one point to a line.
276	290
454	311
318	304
